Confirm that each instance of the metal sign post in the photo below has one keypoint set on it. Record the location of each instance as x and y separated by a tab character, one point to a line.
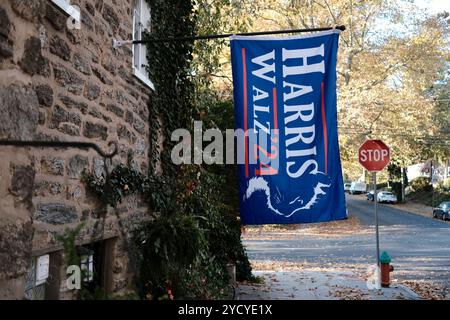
374	155
374	178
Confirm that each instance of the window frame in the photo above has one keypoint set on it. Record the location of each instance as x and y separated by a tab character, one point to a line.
137	72
70	10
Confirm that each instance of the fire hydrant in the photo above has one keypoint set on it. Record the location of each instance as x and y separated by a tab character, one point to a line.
386	269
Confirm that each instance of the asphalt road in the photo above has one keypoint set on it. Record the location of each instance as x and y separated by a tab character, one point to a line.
419	246
387	215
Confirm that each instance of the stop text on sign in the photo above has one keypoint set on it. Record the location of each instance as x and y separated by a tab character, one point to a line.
374	155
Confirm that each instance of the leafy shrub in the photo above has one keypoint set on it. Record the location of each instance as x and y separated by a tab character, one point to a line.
168	246
208	280
223	228
421	184
446	184
185	252
188	251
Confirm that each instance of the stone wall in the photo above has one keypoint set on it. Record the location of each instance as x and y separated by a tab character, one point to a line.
66	85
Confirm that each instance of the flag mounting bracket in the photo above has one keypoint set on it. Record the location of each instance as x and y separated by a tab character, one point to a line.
118	43
62	144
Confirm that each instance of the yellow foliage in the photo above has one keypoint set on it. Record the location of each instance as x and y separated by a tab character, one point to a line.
390	55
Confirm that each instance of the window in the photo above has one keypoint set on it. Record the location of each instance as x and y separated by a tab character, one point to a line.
141	23
65	6
87	266
36	278
97	260
44	277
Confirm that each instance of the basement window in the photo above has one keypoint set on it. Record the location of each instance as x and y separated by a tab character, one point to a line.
96	261
44	277
67	8
87	266
141	23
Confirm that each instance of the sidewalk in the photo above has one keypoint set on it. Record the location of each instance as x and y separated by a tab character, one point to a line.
318	285
414	207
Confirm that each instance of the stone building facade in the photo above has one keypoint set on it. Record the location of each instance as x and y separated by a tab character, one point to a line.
66	84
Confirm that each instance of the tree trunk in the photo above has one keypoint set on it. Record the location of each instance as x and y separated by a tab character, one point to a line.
404	180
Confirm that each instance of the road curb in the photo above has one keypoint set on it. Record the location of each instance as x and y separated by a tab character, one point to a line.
412	295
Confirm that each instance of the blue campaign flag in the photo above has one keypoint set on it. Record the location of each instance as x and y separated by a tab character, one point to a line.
285	101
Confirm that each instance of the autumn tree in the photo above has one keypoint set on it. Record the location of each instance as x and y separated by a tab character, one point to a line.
390	57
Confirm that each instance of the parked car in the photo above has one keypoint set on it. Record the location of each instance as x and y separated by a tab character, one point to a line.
347	187
370	195
442	211
386	196
357	187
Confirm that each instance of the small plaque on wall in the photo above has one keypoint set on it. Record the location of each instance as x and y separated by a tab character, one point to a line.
42	269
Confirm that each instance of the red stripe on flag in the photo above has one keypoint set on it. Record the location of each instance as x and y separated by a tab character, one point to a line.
275	117
324	126
244	75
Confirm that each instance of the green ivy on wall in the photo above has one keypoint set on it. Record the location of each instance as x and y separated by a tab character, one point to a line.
168	66
122	181
185	250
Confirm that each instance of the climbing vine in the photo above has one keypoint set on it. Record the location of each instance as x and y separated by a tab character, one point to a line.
121	182
68	239
185	250
125	180
168	66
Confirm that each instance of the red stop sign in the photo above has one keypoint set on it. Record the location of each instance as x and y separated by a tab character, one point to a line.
374	155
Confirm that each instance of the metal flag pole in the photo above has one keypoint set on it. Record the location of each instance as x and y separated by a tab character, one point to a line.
119	43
